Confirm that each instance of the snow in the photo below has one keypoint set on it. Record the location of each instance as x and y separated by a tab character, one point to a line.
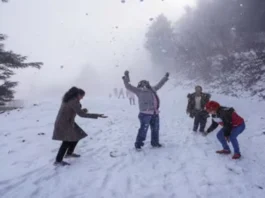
186	167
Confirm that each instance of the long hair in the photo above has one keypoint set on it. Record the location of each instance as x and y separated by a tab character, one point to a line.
81	92
71	94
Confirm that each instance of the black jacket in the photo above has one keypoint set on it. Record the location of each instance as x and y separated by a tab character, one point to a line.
225	116
205	97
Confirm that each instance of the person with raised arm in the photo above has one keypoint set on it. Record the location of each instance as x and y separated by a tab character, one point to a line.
149	104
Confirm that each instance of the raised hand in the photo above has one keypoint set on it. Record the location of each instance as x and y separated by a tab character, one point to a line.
126	74
167	74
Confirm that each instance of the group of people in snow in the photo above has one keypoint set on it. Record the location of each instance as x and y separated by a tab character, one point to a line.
119	94
129	95
199	108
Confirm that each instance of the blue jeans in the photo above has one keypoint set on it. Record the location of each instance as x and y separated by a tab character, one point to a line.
233	138
147	120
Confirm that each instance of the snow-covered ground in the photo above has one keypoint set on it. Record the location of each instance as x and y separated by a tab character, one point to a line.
186	168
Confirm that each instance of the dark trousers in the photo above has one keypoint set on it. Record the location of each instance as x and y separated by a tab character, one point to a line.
200	119
147	120
68	147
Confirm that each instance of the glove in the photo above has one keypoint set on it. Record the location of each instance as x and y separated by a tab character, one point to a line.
102	116
126	74
192	115
167	74
85	110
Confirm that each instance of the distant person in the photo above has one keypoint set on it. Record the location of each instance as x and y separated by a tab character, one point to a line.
131	97
232	125
65	128
149	104
121	94
116	92
195	108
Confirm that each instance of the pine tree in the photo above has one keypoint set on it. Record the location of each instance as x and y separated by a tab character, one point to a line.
9	61
159	39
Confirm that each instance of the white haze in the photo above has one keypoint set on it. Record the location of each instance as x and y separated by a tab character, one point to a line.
81	36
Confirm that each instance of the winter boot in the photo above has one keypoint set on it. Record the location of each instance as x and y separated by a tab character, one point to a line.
62	163
72	155
236	156
226	152
138	147
157	145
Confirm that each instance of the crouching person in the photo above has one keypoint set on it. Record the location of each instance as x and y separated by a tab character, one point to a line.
149	109
65	128
232	124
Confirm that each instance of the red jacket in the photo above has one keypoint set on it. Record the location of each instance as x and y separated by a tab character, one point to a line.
236	119
226	117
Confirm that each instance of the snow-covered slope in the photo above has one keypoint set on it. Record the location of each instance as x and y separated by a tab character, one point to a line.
187	166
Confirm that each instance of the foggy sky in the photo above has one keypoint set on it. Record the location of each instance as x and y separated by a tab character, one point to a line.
77	33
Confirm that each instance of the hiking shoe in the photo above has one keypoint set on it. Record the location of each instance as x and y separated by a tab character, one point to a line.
138	147
62	163
72	155
226	152
157	145
236	156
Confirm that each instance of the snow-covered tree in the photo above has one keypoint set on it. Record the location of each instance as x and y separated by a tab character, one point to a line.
8	62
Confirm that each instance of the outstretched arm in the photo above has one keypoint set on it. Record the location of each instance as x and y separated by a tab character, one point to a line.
213	126
128	86
161	82
77	108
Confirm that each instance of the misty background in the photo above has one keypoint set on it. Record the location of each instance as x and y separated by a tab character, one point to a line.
84	43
